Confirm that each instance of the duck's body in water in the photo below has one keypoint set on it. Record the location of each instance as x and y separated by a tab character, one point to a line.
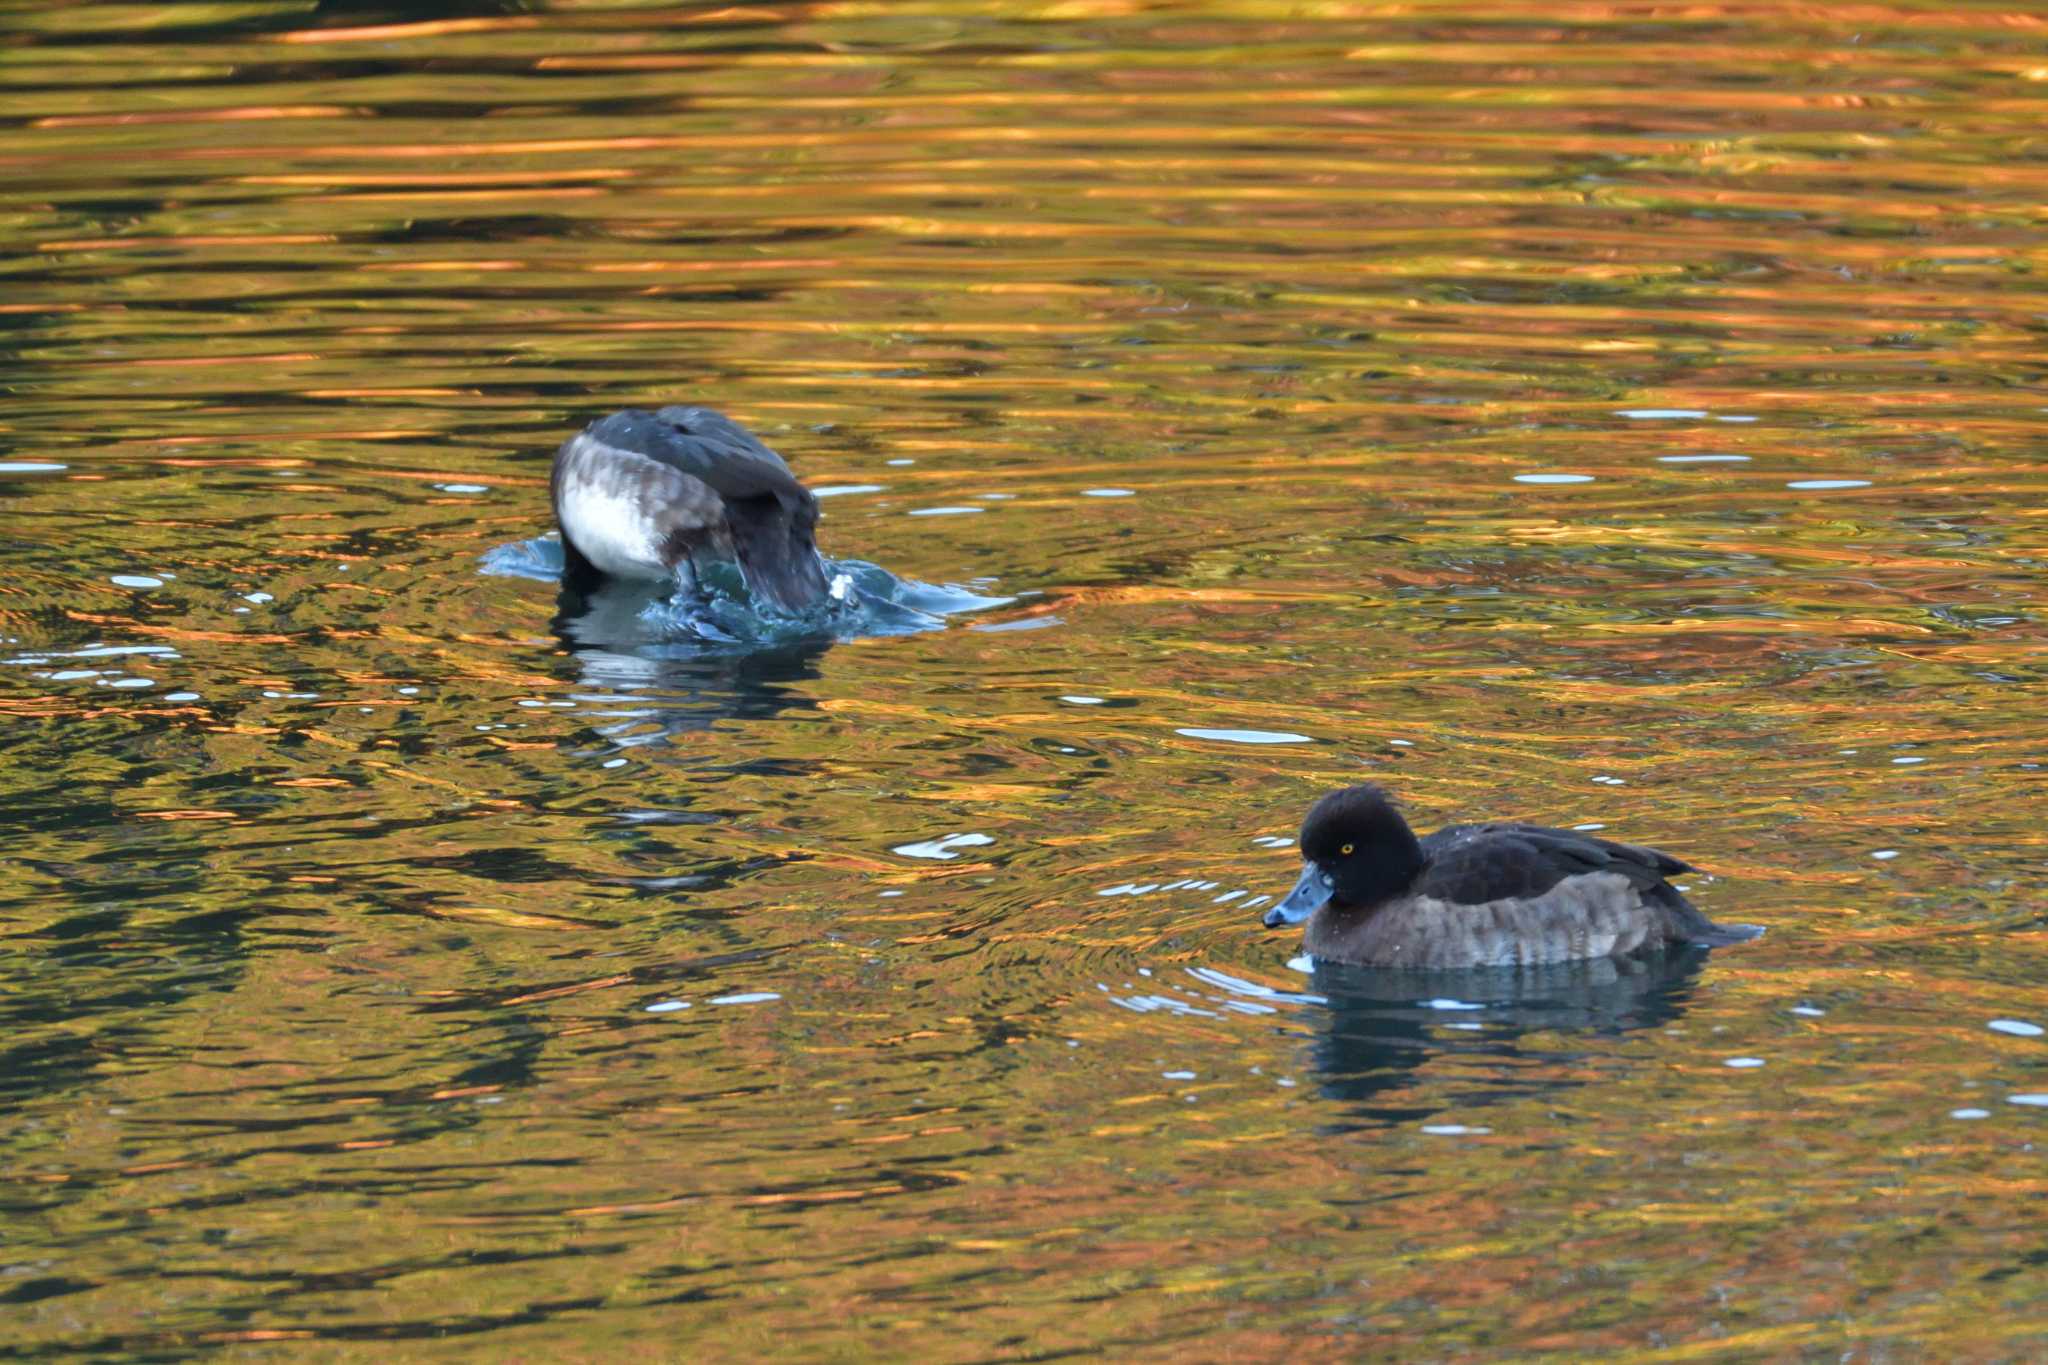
1492	895
654	496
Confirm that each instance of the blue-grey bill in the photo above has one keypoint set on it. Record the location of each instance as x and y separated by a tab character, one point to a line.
1304	900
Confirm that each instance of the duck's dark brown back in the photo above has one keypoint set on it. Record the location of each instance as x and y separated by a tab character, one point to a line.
769	518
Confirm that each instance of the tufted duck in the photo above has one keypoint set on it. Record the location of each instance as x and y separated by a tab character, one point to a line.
1480	895
651	495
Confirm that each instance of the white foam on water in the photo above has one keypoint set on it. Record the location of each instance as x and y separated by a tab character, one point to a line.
1247	736
940	849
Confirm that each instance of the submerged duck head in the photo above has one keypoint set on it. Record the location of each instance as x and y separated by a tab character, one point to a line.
1356	851
662	496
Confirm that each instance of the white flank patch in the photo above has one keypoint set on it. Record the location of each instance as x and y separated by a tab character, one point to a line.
611	529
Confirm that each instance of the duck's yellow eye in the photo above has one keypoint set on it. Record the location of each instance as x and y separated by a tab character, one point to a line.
1346	850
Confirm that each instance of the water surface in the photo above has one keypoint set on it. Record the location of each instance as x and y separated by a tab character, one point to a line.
1628	418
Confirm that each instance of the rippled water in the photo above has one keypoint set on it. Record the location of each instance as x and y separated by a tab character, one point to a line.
1627	417
717	609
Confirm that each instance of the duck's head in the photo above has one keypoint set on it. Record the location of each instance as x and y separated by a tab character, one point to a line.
1356	851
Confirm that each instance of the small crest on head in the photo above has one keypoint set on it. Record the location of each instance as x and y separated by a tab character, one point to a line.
1350	819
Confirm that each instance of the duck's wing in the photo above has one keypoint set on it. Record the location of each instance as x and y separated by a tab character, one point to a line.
708	446
769	516
1464	861
1474	864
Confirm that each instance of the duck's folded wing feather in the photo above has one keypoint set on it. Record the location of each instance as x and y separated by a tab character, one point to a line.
767	515
1636	860
1494	864
706	445
1472	864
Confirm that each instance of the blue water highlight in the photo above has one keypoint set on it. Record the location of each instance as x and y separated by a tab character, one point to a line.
714	606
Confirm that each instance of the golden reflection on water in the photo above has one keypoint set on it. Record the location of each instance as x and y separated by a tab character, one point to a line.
367	942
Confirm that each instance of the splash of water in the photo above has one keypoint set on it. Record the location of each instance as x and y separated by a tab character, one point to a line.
714	606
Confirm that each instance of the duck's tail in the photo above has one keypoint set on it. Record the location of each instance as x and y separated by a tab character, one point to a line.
1687	925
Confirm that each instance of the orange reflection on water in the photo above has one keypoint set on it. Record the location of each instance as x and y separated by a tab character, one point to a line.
353	960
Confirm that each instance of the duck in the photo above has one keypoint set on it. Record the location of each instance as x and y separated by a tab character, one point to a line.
655	496
1482	895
